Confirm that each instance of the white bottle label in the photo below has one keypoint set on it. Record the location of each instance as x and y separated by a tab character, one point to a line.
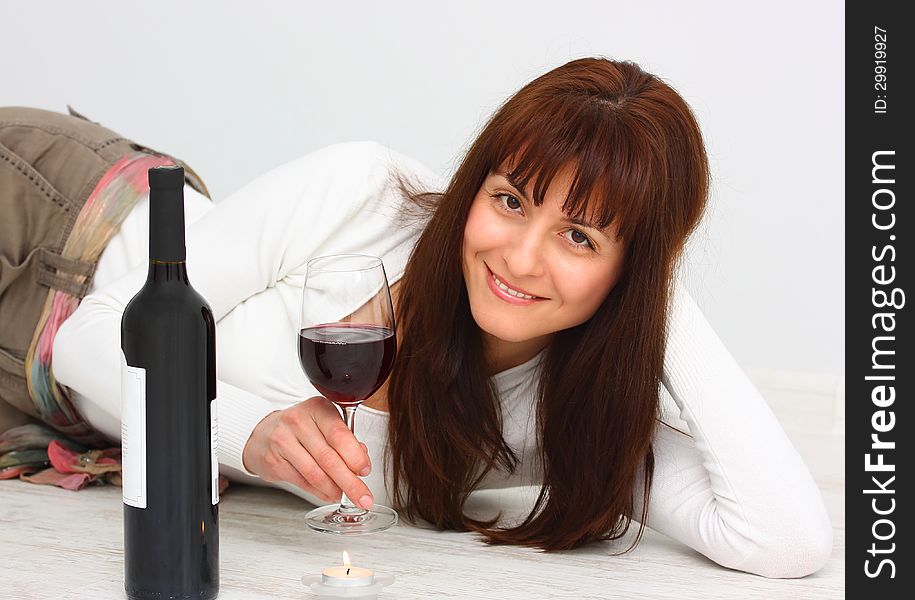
133	434
214	451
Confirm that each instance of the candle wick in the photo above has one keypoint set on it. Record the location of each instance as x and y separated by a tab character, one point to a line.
347	570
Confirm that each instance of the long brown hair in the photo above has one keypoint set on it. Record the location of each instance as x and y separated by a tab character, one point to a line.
640	162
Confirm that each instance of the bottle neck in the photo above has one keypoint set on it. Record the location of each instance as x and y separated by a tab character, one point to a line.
166	225
168	272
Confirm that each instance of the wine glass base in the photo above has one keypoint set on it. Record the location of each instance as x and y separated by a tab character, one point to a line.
331	519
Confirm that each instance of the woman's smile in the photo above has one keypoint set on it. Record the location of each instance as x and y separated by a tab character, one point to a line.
508	294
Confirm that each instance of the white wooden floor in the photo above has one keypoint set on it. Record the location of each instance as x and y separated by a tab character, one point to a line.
65	545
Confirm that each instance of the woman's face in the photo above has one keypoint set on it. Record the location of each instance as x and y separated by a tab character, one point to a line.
569	267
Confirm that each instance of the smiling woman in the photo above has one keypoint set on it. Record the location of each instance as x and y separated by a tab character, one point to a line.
601	142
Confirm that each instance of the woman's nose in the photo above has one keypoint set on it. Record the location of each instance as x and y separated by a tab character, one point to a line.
524	257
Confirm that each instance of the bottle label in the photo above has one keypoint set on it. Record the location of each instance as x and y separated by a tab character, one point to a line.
133	434
214	452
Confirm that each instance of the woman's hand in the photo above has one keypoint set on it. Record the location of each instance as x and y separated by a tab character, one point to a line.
310	446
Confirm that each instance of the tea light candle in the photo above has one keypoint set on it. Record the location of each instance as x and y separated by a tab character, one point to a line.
347	576
347	581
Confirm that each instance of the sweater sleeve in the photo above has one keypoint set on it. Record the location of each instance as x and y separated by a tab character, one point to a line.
736	490
337	199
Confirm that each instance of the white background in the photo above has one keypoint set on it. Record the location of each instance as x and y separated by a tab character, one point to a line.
236	88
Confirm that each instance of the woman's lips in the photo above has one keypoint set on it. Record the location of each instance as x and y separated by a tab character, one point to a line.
505	296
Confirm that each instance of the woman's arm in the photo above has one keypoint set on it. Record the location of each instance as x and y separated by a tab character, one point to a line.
337	199
736	490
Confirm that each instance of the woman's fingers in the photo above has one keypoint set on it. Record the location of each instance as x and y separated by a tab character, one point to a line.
310	446
340	438
287	472
308	469
330	464
317	460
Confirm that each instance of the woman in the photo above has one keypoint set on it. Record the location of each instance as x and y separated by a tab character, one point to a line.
538	313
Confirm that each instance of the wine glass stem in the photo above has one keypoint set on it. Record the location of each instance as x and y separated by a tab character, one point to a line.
346	505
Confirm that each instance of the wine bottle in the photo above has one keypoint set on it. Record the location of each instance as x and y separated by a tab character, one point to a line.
168	417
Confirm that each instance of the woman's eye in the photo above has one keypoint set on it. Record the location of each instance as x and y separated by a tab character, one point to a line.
580	239
509	202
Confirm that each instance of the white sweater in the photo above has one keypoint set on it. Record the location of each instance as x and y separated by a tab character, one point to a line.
736	490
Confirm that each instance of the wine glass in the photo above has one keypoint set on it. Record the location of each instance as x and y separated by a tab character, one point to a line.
346	348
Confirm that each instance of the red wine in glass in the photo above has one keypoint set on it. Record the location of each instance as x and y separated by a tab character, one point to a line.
346	345
347	362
